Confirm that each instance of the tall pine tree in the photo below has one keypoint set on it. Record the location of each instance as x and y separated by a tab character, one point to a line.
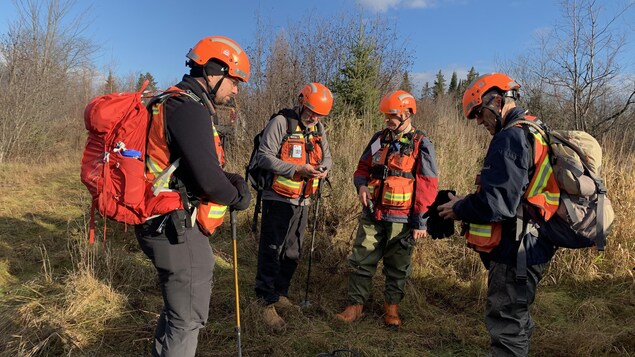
426	91
439	85
405	83
453	87
111	85
356	85
152	84
471	76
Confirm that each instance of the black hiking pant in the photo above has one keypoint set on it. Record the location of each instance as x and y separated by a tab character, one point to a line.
185	277
509	323
281	235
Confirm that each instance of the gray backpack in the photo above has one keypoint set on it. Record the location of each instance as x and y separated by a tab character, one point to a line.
585	215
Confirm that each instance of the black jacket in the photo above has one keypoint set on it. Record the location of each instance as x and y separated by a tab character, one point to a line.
190	137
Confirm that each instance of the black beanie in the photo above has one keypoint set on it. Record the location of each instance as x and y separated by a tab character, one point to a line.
213	67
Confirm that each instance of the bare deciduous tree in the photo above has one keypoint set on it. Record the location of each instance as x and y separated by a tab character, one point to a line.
44	57
575	72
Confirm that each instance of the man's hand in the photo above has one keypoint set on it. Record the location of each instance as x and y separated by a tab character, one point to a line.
364	195
446	211
244	195
307	170
419	233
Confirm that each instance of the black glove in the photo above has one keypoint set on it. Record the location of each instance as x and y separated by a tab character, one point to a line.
438	227
244	195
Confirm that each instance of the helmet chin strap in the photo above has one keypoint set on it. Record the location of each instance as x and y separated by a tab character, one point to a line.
211	92
398	129
499	119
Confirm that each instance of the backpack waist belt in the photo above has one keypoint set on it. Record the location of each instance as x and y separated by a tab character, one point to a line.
382	172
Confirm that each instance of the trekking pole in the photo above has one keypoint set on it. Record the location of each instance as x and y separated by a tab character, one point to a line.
232	217
306	302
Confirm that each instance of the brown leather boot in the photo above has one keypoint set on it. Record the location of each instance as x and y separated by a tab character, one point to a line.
351	313
271	318
285	305
391	315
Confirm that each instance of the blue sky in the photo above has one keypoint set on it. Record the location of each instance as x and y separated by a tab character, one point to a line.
450	35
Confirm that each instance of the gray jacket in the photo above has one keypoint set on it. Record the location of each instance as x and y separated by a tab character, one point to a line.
268	157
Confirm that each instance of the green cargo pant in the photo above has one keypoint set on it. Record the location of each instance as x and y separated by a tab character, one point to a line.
376	240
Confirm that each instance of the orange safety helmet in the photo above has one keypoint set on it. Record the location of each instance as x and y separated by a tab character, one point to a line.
397	102
473	95
317	97
224	50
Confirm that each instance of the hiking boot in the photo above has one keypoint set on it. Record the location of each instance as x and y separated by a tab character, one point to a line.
351	313
284	304
271	317
391	315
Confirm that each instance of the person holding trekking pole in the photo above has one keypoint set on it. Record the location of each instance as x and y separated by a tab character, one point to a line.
396	180
185	156
515	186
294	149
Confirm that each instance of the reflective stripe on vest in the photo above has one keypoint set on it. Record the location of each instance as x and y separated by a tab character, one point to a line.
481	230
396	198
217	211
291	184
543	192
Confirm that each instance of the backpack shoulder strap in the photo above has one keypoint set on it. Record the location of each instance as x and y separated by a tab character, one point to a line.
292	117
530	123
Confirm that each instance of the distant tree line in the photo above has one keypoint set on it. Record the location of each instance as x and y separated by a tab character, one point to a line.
572	79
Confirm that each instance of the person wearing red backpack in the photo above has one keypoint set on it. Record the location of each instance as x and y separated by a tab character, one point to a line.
515	184
177	246
295	151
396	181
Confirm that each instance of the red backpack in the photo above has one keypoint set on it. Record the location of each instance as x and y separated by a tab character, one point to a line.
113	167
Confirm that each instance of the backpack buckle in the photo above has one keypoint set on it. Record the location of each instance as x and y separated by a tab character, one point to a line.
379	172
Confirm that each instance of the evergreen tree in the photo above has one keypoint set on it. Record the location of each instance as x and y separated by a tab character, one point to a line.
111	83
439	85
453	87
405	83
426	91
152	84
356	85
471	76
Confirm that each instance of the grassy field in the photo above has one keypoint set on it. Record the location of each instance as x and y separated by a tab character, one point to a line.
61	296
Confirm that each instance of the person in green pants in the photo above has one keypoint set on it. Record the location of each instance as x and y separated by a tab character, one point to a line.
396	181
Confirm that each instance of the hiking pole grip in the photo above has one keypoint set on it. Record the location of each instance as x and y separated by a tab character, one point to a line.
234	224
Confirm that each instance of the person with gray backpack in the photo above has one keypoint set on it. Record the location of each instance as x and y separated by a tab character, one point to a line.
538	190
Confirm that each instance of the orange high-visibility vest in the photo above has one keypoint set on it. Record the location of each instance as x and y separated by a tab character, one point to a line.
159	168
542	194
391	180
299	148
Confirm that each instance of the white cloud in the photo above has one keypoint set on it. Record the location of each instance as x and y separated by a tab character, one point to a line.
384	5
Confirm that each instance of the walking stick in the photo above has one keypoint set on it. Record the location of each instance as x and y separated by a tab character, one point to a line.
306	301
232	217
